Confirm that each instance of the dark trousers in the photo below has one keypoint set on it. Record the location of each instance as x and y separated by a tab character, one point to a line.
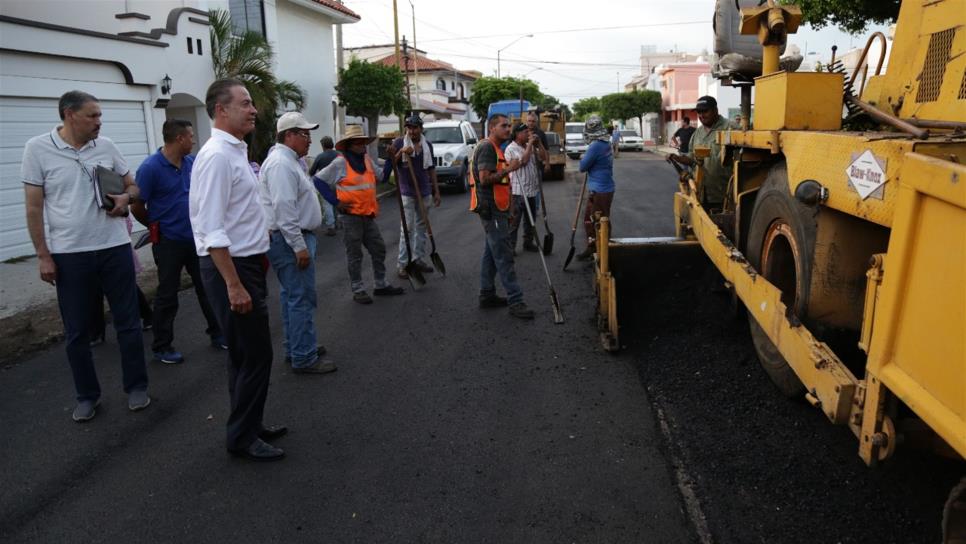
97	323
596	202
249	346
520	217
171	256
81	278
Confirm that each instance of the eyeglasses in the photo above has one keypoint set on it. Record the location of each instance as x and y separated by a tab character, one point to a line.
303	133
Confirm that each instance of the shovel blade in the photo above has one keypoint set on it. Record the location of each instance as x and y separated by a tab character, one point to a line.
570	256
548	243
557	313
416	278
438	263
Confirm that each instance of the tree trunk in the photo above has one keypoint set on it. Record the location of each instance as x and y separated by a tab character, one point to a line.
373	131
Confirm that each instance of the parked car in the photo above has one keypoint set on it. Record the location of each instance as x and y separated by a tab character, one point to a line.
631	141
453	144
575	144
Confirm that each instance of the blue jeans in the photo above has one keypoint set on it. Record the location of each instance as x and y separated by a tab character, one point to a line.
297	295
498	257
328	215
79	277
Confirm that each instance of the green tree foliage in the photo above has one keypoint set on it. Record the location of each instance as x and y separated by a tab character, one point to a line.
852	16
487	90
249	58
371	90
584	107
632	105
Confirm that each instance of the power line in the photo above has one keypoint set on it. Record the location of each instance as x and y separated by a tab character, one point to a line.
568	30
557	62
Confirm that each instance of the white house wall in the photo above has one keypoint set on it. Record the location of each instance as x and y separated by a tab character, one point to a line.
304	54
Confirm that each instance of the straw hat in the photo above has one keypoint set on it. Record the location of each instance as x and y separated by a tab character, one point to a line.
352	132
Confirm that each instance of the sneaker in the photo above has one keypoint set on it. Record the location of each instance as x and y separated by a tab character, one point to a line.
424	268
520	310
219	342
388	291
86	410
362	297
138	400
492	301
146	325
97	340
530	246
320	366
401	272
169	357
330	231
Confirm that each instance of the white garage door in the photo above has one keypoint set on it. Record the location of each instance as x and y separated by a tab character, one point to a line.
24	118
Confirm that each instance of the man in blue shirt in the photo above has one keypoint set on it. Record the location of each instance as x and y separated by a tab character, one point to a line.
598	163
164	179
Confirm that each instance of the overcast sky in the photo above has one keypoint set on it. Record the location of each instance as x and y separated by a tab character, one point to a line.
594	57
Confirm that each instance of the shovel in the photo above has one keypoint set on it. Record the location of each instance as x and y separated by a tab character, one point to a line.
557	314
416	278
437	260
547	246
573	230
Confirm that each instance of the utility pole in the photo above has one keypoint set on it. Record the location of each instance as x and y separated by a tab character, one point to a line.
339	60
405	49
416	54
395	24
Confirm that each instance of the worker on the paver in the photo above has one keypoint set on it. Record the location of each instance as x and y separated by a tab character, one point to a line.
715	181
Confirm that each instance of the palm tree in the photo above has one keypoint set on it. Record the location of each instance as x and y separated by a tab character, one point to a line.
248	58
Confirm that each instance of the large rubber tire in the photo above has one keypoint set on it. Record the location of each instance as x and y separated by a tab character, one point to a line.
557	172
464	182
781	243
954	515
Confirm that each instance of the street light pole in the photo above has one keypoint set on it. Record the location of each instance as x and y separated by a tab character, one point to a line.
522	79
498	51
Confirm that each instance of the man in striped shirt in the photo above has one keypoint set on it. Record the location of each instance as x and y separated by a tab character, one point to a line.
524	183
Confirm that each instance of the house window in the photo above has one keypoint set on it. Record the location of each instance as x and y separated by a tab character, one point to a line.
247	15
440	84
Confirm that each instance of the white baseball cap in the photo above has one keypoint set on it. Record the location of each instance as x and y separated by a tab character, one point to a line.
293	119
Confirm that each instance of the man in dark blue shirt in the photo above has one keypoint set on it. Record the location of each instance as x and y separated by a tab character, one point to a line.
164	179
325	158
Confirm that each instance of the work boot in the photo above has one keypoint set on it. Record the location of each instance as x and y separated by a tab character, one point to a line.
320	366
401	272
520	310
388	291
492	301
362	297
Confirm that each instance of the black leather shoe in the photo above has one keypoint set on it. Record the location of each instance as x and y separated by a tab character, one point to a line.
272	432
259	451
388	291
492	301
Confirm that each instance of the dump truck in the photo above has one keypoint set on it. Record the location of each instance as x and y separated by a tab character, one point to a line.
842	233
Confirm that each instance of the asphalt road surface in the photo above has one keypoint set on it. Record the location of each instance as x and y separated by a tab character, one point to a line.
447	423
444	423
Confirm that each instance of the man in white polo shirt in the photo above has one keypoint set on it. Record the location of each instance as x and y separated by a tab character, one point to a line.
231	236
86	248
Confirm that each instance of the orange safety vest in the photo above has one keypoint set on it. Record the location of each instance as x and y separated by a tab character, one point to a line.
357	190
501	191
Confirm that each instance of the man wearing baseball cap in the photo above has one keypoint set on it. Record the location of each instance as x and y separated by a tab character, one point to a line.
293	211
413	148
714	186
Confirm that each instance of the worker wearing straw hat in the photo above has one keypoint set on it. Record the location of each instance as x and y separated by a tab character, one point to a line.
352	176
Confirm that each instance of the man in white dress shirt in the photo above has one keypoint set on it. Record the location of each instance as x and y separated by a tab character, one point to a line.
231	235
292	207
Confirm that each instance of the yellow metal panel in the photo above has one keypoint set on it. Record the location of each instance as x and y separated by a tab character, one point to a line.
824	157
919	335
798	101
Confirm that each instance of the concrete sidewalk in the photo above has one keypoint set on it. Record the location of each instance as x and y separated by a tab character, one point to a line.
29	316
